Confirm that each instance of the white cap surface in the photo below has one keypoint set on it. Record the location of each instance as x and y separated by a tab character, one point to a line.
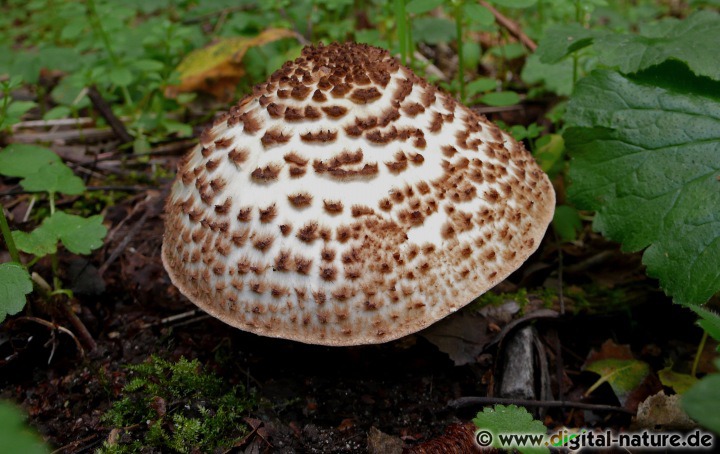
347	201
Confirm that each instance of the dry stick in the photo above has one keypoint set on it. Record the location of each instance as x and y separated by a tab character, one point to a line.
106	111
72	447
78	325
468	401
123	244
511	26
52	325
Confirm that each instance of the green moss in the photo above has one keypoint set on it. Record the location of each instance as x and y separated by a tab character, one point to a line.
177	407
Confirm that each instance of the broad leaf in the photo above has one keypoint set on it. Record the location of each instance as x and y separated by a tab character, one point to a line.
693	41
21	160
675	380
218	68
422	6
54	177
510	419
78	234
562	40
623	375
40	242
15	283
701	402
15	436
646	157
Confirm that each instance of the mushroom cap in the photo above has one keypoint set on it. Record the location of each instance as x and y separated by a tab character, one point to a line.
347	201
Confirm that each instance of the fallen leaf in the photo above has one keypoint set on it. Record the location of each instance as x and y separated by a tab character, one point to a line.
677	381
660	411
218	68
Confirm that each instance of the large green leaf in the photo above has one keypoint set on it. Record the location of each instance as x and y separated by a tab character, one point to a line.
646	157
693	41
15	283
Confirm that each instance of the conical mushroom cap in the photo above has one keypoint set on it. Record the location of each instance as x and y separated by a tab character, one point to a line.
347	201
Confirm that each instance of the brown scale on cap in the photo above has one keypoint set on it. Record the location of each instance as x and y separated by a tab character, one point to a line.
425	204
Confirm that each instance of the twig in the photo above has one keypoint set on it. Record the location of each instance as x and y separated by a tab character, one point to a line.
81	121
72	447
511	26
64	135
53	326
106	111
78	325
121	247
468	401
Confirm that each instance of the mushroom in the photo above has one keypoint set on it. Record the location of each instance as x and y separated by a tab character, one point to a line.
347	201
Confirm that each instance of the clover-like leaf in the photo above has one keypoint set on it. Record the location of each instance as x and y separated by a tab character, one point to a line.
78	234
15	283
510	419
54	177
646	157
40	242
21	160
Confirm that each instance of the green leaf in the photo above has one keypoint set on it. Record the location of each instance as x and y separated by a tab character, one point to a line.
78	234
709	321
20	160
556	77
701	402
623	375
54	177
480	85
17	109
57	112
478	14
562	40
692	41
549	150
566	222
15	436
433	30
510	419
646	157
422	6
15	283
40	242
514	3
500	98
121	76
677	381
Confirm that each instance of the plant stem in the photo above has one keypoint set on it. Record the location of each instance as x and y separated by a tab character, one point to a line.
700	349
401	21
461	57
7	236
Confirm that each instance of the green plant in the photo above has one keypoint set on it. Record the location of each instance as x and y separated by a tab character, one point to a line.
643	135
11	111
177	407
42	171
15	436
510	419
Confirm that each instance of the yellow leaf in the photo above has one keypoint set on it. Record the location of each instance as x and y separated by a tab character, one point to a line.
218	68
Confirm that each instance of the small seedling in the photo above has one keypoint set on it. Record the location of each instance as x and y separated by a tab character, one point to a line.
42	171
